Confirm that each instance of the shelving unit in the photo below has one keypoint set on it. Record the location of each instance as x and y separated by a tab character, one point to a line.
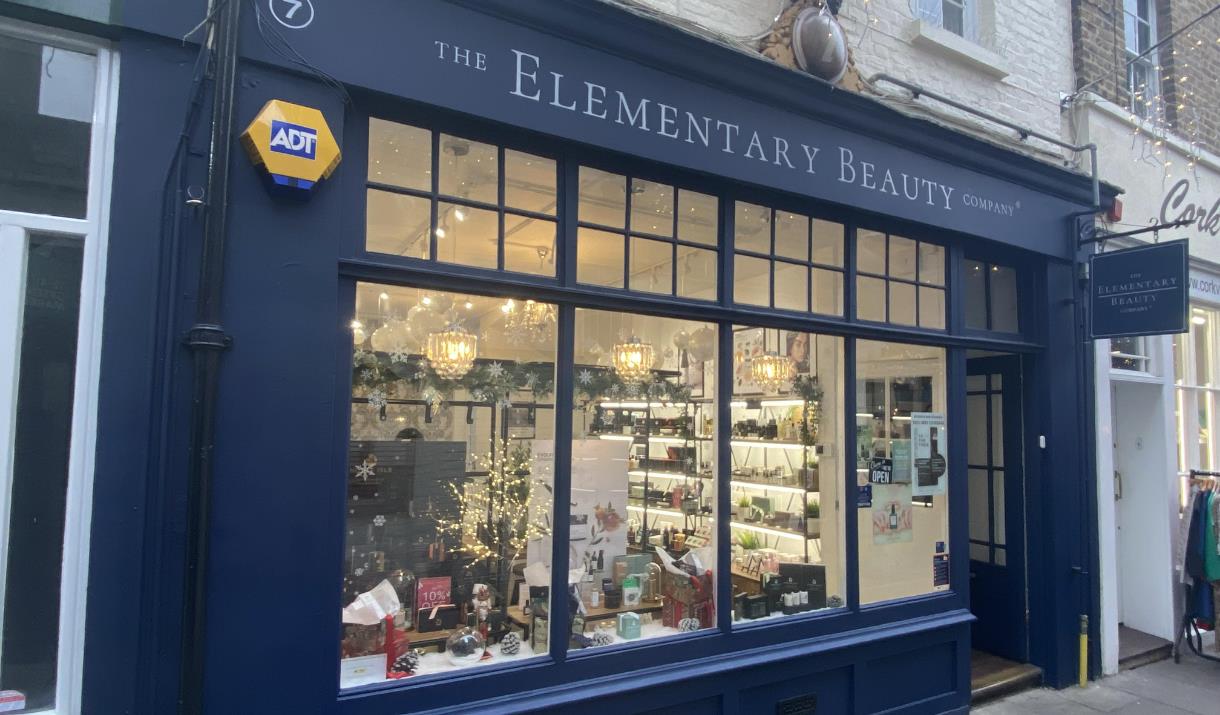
682	422
775	469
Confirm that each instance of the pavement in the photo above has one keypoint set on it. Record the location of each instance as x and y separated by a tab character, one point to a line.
1191	687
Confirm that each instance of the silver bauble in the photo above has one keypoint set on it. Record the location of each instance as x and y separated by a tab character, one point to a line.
465	647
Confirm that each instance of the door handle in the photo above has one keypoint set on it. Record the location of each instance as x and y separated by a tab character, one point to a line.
1118	485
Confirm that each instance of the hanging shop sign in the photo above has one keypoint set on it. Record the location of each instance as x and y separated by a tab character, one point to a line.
1140	291
293	144
448	55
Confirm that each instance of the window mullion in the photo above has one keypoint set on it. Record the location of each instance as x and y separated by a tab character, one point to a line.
562	497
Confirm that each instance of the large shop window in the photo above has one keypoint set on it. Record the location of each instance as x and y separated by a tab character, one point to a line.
645	236
787	473
449	481
787	260
899	280
442	197
902	456
1197	381
641	540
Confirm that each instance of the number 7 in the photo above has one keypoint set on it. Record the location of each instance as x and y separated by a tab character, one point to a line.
296	5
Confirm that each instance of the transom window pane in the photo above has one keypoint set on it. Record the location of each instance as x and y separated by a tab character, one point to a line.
896	276
805	268
992	297
665	232
487	207
47	108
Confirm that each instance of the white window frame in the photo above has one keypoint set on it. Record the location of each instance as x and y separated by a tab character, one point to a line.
15	227
1152	92
1143	356
933	12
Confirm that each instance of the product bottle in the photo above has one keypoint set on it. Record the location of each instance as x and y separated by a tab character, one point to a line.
936	461
893	518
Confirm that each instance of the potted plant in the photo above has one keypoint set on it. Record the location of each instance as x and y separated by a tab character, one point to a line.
813	519
742	509
749	541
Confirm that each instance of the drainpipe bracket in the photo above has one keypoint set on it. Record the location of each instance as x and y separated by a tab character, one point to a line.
208	337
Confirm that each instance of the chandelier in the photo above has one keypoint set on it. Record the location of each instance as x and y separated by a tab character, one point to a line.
528	321
451	352
771	371
633	360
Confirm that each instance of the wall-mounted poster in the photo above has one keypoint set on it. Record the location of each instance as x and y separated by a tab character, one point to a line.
892	517
929	445
900	452
747	345
797	347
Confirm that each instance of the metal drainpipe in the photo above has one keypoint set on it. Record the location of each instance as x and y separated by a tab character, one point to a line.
206	340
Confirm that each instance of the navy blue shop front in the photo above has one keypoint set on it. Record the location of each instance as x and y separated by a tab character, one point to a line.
278	518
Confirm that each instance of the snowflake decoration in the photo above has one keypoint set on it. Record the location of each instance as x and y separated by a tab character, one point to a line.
379	520
420	375
584	377
367	374
504	404
399	354
495	370
364	470
359	571
531	380
632	389
614	390
377	399
607	418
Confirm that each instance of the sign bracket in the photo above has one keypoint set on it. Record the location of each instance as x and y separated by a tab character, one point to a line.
1158	227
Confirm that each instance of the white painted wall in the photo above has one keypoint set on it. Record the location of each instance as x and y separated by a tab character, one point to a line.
1032	39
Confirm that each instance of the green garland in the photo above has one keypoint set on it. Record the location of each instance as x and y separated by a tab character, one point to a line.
491	381
595	383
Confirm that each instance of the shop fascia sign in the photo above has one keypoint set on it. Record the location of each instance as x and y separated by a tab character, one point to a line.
1140	291
293	144
484	66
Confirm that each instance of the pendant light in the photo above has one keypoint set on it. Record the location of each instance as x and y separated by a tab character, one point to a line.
633	360
451	352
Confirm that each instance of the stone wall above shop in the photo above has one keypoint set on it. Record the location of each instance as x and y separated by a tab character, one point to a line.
1015	69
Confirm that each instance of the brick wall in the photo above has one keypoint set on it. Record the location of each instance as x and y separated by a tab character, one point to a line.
1032	37
1188	79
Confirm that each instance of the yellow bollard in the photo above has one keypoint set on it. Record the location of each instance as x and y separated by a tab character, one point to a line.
1084	651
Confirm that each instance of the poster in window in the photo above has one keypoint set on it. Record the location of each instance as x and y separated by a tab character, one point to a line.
892	517
797	346
747	345
929	445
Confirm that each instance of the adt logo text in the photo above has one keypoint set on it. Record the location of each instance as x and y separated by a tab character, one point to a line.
293	139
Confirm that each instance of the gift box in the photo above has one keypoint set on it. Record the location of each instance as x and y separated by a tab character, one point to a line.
687	588
674	612
628	625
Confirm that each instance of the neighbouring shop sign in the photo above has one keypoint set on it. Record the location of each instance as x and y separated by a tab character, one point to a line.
452	56
293	144
1140	291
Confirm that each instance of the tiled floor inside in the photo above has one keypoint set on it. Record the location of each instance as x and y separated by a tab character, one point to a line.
1190	687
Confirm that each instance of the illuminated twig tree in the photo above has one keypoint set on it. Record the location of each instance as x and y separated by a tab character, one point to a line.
494	522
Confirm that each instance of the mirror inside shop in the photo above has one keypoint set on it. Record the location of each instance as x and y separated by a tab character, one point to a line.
450	503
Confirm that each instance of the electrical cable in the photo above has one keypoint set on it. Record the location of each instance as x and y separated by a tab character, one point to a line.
1074	95
279	45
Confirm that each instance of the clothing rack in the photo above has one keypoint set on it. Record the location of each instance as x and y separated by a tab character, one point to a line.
1189	632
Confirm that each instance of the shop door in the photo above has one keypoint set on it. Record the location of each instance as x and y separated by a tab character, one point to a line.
997	506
